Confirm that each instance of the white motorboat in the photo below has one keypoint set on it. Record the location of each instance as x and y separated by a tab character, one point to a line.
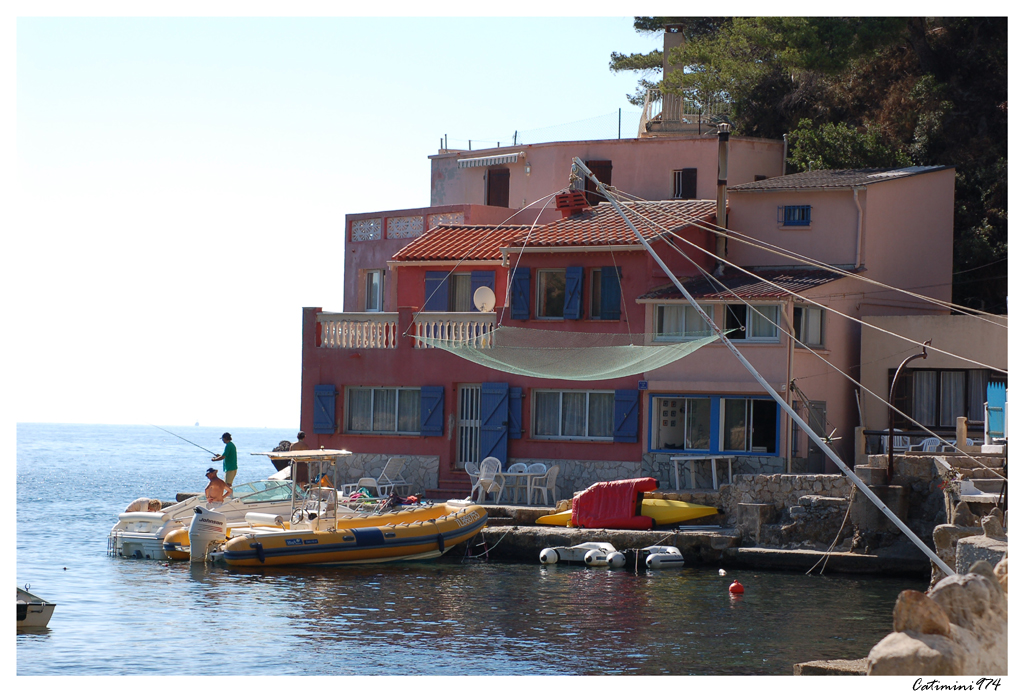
33	611
593	554
141	534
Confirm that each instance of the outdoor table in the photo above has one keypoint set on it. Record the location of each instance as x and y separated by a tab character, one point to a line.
695	458
513	481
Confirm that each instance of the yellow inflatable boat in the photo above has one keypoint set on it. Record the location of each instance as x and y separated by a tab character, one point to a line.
415	533
664	512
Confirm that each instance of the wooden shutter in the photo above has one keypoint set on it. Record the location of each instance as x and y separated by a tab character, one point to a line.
602	170
323	408
573	309
476	280
627	415
497	187
521	293
494	421
515	412
435	292
611	296
431	411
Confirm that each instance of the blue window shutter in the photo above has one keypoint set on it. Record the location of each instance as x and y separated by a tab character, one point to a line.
627	415
323	408
521	293
476	280
494	421
573	293
431	411
435	292
515	412
611	297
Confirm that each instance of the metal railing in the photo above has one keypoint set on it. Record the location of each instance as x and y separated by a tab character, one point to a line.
456	327
358	329
671	108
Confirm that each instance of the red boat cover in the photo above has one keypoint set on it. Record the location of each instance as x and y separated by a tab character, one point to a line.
612	505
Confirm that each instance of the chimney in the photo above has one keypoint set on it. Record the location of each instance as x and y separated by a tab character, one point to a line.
674	38
723	181
571	202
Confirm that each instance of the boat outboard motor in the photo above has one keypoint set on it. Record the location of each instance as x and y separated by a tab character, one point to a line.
207	527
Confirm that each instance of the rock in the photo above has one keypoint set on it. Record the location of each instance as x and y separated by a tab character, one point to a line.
916	612
908	653
963	516
1002	575
998	514
993	527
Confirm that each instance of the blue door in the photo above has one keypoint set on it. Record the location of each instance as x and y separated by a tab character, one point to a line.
996	410
494	421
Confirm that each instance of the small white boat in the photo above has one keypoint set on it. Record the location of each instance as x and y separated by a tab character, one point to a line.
662	556
591	554
141	534
33	611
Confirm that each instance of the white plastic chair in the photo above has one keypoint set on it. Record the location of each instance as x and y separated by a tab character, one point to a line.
391	477
473	471
518	483
537	468
490	481
545	484
930	444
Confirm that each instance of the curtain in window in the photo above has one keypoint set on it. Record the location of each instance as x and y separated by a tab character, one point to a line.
384	409
373	291
976	381
359	409
812	333
670	320
954	384
574	414
545	417
408	410
698	424
459	298
600	417
760	322
925	395
694	323
551	286
735	425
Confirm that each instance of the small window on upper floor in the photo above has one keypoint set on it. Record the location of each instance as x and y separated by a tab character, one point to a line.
374	292
550	293
795	215
684	184
809	325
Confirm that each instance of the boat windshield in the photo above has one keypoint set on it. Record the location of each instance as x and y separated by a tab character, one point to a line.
266	491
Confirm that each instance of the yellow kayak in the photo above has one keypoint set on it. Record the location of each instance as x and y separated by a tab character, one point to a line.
663	512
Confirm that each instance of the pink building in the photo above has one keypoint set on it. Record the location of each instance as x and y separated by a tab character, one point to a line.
369	385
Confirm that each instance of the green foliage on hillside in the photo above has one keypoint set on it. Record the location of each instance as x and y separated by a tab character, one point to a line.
855	92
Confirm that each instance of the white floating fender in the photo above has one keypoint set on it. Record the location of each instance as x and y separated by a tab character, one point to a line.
616	559
660	557
548	556
207	527
596	558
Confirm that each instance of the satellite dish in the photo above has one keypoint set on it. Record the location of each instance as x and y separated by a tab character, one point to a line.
483	299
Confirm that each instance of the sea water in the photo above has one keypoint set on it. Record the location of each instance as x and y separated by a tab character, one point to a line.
119	616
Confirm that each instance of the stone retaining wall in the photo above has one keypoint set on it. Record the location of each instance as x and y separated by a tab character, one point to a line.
660	466
576	475
419	471
781	490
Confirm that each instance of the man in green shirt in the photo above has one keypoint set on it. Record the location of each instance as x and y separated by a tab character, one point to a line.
230	458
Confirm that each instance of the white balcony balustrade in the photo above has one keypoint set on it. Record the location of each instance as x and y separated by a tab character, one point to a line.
456	327
358	329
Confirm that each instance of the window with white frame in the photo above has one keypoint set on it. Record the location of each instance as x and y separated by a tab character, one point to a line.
679	322
550	293
749	425
809	325
681	423
383	410
374	290
752	323
573	414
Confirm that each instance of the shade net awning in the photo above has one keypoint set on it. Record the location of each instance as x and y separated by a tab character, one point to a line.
583	356
489	160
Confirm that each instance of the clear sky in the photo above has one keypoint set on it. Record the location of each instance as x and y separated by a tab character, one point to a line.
181	186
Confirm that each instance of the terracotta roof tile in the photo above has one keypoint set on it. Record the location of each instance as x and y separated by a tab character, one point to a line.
460	243
746	286
602	225
836	178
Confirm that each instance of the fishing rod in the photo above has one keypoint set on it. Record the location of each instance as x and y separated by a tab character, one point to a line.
182	438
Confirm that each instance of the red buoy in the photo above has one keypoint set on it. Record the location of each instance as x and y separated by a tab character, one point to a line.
736	587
